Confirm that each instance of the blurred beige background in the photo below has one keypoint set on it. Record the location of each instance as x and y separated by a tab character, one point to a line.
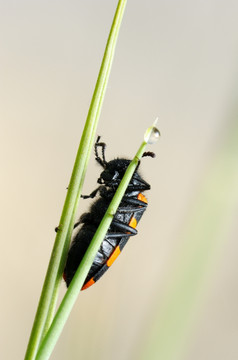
174	59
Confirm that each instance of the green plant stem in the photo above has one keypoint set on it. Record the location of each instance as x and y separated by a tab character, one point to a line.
45	310
53	303
71	295
52	271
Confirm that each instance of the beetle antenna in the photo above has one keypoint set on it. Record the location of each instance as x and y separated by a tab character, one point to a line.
101	161
149	153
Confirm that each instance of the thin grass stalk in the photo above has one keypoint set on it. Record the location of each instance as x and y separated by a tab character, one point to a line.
109	57
53	303
59	252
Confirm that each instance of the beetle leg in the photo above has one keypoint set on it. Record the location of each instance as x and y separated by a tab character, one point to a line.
117	235
132	201
92	195
124	227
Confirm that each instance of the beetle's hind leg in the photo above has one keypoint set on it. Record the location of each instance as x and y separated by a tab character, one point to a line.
136	202
126	229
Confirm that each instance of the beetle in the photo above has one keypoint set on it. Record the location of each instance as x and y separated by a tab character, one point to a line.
123	225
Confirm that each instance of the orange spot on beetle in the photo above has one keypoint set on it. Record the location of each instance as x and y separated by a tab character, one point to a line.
113	257
89	283
141	197
133	223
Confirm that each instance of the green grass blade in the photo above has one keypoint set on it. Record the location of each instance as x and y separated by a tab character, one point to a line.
56	256
58	281
71	295
45	310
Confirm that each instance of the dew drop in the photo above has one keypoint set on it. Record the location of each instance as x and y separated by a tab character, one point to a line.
152	135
